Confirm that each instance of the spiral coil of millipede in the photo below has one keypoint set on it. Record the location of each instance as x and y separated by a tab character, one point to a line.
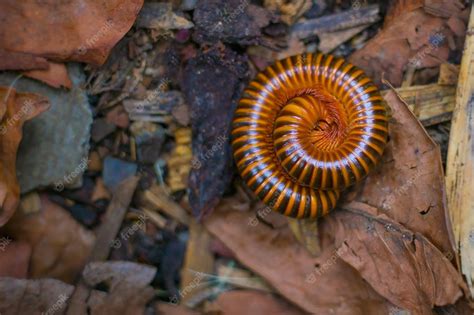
305	129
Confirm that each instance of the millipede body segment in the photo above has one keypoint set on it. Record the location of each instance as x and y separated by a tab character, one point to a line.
305	129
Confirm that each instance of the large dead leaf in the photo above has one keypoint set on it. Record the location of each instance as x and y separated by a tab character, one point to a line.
60	245
401	265
251	302
408	186
274	253
410	37
15	109
14	258
75	30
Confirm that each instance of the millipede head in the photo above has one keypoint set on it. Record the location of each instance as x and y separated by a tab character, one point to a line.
306	128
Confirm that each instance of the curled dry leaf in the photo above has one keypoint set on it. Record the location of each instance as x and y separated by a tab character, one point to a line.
33	297
251	302
14	258
74	30
322	285
401	265
408	184
411	38
60	245
15	109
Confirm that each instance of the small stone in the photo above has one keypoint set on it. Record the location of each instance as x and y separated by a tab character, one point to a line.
116	170
101	129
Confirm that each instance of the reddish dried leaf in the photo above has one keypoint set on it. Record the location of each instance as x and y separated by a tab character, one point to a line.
60	245
252	302
76	30
398	8
56	75
414	38
14	258
15	109
408	185
274	253
401	265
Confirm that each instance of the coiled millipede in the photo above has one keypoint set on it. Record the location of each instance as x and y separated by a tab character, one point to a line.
306	128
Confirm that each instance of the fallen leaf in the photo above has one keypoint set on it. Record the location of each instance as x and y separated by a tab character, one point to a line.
251	302
408	185
14	258
75	30
411	38
56	75
15	109
321	285
401	265
60	245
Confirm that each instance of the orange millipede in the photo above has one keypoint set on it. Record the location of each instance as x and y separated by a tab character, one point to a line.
306	128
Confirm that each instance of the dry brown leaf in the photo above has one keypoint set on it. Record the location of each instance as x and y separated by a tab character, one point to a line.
76	30
274	254
14	258
15	109
56	75
60	245
399	7
414	38
408	185
251	302
401	265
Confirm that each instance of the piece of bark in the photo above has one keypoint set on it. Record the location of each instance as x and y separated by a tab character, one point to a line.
336	22
241	25
156	198
431	103
448	74
113	218
460	161
198	258
107	231
212	84
330	41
